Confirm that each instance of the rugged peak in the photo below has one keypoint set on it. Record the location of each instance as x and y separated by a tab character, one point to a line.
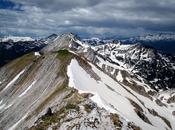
66	41
70	35
52	36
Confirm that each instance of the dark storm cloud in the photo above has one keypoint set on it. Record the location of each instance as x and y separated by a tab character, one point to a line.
90	17
58	5
132	24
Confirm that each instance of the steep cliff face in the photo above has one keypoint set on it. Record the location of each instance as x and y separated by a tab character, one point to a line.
71	42
72	85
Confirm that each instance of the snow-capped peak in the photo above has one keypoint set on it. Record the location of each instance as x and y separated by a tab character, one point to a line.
16	39
158	37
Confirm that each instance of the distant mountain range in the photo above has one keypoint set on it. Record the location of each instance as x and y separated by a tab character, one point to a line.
162	42
15	39
14	46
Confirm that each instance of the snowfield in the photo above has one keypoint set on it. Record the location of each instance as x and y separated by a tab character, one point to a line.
114	97
119	77
16	39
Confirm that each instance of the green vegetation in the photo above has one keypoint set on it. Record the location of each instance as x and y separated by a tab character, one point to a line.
22	61
72	106
70	94
63	54
56	117
65	57
88	108
133	127
116	120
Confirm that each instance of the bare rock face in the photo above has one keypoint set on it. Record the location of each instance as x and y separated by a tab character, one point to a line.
61	42
71	42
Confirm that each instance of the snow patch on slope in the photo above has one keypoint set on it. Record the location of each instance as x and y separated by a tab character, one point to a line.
81	84
18	122
2	106
22	94
14	79
119	77
113	97
37	54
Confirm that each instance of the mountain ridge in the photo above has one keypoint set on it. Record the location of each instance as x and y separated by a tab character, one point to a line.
73	85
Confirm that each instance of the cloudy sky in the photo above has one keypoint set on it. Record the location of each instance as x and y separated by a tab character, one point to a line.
39	18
